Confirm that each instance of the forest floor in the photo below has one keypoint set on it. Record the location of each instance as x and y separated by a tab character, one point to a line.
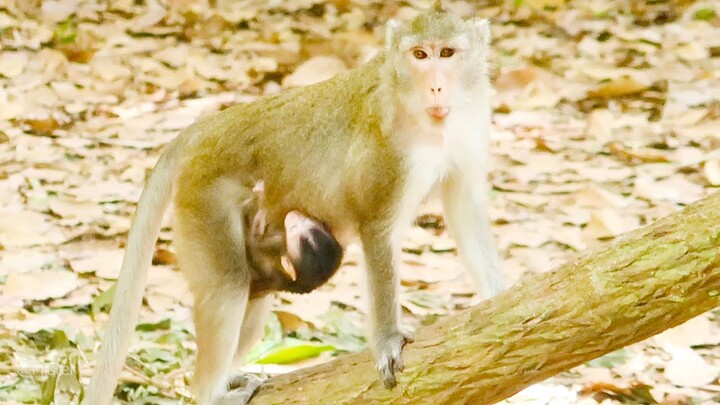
606	118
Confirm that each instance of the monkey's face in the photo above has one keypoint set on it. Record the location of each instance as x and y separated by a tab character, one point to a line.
265	250
435	66
437	60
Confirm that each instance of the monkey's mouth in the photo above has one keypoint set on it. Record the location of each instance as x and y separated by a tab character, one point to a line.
438	114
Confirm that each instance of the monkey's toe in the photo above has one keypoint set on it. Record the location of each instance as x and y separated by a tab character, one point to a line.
241	388
245	380
236	397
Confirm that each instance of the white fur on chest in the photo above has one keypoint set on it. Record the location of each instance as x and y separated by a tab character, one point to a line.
436	152
427	165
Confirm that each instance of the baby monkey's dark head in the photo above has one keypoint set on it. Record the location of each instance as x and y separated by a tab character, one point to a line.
298	257
313	255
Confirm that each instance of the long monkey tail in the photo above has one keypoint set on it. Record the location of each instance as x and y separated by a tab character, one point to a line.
131	282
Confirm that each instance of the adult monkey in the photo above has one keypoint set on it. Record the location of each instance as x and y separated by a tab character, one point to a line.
358	152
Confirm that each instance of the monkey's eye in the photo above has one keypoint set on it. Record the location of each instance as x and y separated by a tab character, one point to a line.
420	54
447	52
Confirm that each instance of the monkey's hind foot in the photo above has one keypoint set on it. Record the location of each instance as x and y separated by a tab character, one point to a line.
389	357
241	388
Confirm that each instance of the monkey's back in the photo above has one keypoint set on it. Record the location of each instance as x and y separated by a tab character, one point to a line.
320	149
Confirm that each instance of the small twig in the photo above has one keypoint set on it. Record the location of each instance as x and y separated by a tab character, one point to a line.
164	388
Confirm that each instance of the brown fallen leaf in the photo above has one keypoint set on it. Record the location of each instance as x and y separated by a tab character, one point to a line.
12	64
443	244
594	196
163	280
291	322
433	221
688	369
103	261
208	28
677	399
635	156
518	78
26	260
695	332
637	392
154	13
711	171
76	53
607	223
544	4
41	285
34	323
675	188
163	257
42	126
314	70
544	145
600	124
26	228
525	234
58	10
428	268
623	86
570	236
67	208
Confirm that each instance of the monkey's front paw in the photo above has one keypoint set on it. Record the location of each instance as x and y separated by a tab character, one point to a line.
389	357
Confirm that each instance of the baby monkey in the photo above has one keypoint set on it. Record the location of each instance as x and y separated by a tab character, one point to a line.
296	258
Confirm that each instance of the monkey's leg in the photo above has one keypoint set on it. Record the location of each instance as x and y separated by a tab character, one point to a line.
243	386
387	339
253	327
218	318
465	206
215	267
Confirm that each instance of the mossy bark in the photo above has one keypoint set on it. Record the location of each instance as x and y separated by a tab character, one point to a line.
637	286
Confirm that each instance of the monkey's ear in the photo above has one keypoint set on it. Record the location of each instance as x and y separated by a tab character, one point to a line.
480	31
392	34
288	267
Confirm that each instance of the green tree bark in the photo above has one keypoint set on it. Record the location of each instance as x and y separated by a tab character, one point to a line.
637	286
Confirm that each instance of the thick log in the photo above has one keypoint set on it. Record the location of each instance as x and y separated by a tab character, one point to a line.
637	286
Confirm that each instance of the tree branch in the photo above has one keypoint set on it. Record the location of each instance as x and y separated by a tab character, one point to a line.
650	280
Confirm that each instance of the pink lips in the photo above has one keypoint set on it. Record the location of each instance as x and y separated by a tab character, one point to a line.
437	113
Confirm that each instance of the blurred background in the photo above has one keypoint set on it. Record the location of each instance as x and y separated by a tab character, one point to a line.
606	117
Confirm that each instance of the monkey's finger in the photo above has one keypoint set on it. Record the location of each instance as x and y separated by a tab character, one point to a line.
398	364
388	378
385	368
398	361
390	382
